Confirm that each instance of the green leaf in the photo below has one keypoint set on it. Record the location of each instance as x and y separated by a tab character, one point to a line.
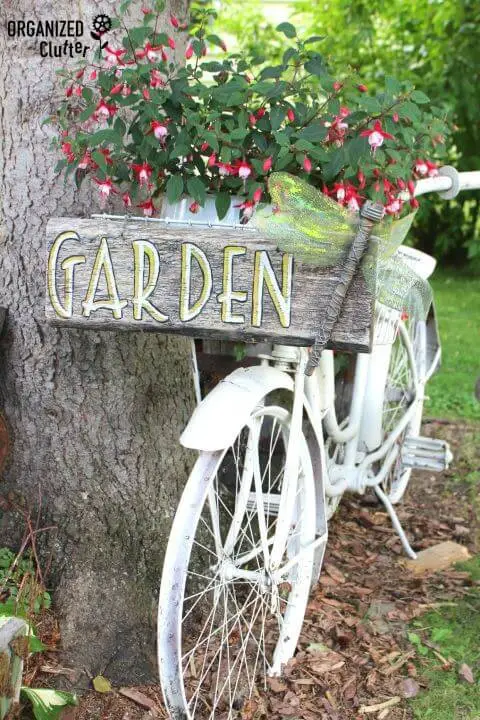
314	38
212	66
288	55
356	149
210	138
87	94
419	97
174	188
271	73
88	112
409	111
277	115
239	133
287	29
392	85
108	135
283	160
222	204
215	40
370	104
314	132
138	35
119	126
48	704
99	158
304	145
316	66
196	189
35	644
335	164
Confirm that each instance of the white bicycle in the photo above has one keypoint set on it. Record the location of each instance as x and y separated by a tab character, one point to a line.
249	535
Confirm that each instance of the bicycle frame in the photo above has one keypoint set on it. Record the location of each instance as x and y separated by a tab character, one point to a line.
361	436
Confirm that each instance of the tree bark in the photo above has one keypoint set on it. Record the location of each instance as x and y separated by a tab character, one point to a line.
95	417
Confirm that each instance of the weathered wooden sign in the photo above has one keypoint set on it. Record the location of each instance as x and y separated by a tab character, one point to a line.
200	281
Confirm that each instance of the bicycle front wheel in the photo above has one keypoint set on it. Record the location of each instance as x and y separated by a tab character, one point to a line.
226	616
400	394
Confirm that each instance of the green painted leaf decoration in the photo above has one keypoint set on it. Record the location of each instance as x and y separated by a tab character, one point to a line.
48	704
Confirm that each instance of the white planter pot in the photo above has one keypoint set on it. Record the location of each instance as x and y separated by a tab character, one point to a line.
179	212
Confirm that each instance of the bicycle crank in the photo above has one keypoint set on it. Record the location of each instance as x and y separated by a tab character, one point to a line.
423	453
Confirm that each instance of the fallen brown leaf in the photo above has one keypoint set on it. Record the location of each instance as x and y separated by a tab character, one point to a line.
410	688
276	685
465	672
334	573
138	697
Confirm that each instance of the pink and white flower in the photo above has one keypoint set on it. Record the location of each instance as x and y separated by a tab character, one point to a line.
337	128
159	129
66	148
104	110
394	206
150	52
243	169
114	57
86	161
248	207
376	135
148	207
426	168
225	168
143	172
347	194
156	79
105	187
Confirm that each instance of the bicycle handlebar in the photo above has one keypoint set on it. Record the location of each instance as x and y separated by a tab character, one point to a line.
448	182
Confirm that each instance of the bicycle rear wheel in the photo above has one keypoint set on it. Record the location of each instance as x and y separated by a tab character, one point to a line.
226	617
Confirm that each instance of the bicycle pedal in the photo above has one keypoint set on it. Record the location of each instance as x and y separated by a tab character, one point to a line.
423	453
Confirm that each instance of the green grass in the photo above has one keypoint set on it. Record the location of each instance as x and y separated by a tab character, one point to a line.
451	390
456	632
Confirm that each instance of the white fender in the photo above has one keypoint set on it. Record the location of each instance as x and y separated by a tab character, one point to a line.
219	418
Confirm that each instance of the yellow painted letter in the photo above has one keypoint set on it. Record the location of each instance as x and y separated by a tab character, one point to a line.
103	261
68	265
141	291
263	273
188	312
229	295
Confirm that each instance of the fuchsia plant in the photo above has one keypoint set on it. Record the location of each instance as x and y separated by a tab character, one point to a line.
141	123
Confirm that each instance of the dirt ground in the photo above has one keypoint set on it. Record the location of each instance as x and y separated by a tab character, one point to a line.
353	652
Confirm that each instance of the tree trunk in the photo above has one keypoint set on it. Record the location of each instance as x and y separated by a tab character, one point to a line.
95	417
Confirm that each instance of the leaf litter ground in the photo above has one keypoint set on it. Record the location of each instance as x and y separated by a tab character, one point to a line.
357	657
